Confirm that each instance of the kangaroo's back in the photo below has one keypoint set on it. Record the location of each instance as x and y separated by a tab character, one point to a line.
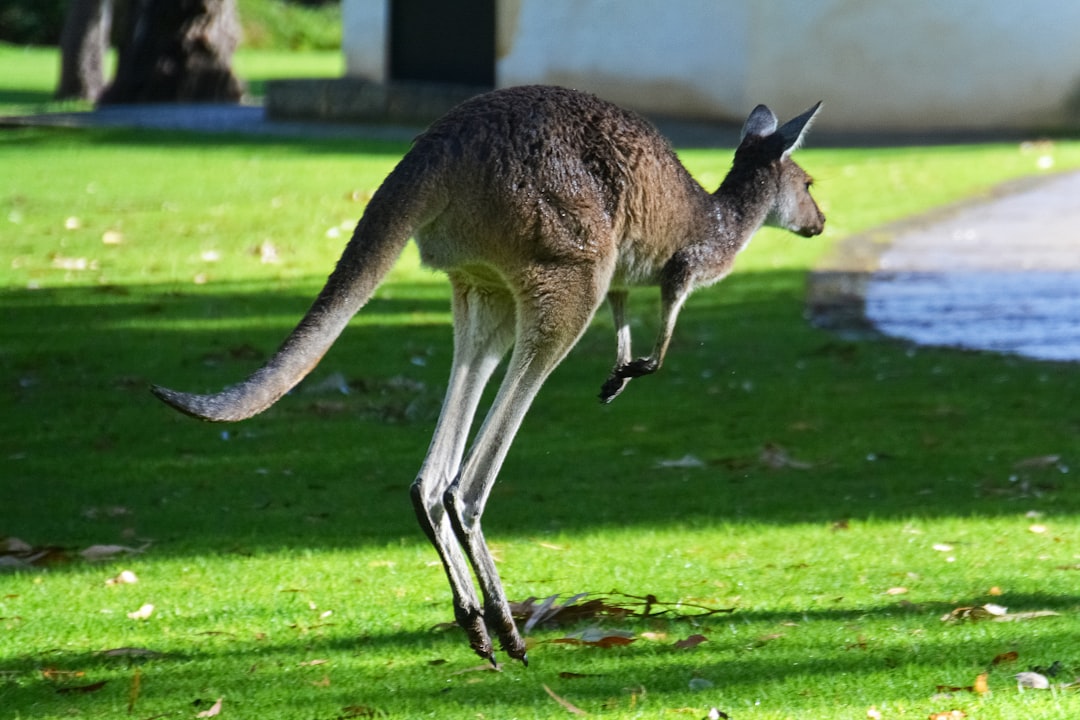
539	172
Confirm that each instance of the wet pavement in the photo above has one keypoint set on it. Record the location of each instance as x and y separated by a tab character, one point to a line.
1000	274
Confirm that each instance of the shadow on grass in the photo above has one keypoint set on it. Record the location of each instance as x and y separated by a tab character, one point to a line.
430	670
755	418
856	431
16	96
334	141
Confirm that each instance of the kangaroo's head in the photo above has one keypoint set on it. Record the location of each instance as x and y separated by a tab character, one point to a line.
763	163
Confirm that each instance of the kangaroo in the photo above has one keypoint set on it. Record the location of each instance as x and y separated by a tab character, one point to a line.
538	203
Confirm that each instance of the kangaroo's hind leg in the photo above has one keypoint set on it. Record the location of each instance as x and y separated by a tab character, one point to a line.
483	331
552	315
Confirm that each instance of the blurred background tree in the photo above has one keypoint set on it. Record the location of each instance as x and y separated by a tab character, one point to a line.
81	28
175	51
84	41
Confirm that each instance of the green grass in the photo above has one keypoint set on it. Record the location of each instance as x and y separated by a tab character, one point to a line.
128	258
277	25
28	75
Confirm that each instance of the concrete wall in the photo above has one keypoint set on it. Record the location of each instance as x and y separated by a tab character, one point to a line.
365	38
686	58
923	63
917	65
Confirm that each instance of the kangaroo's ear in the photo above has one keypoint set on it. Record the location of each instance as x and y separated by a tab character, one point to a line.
794	130
761	123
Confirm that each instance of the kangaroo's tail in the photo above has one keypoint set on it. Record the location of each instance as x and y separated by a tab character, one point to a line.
397	209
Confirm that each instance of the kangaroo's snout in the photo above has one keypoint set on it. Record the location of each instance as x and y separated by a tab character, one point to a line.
817	228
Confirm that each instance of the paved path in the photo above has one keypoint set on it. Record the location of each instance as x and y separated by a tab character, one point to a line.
1000	275
211	118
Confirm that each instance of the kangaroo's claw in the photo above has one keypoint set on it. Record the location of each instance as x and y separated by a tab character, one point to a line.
612	387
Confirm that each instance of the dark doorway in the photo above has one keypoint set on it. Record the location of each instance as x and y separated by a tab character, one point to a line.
440	41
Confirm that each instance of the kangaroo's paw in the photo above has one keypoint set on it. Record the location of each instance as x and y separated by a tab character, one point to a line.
622	374
612	387
637	368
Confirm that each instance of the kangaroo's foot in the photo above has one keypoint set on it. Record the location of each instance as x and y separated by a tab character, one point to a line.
623	374
472	622
502	623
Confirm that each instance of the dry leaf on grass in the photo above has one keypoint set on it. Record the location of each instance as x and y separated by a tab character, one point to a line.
15	554
770	637
14	546
96	553
1005	657
1032	615
685	462
214	710
133	692
948	715
777	458
597	637
142	613
53	674
584	607
132	652
691	642
81	689
125	577
1032	680
979	687
570	707
996	613
976	612
1040	461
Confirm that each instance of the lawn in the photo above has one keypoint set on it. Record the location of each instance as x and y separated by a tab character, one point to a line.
28	75
839	498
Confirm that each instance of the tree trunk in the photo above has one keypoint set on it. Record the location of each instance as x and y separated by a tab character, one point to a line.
83	42
177	51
